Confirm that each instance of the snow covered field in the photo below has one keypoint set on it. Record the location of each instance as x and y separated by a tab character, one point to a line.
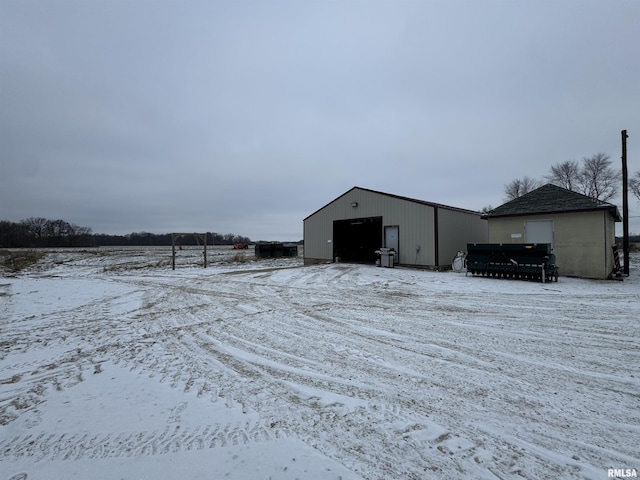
113	366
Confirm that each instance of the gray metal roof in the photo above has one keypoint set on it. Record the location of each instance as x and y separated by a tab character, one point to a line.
552	199
408	199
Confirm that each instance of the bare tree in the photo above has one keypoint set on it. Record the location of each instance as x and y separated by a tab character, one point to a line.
594	178
565	175
634	185
59	228
519	187
36	226
597	179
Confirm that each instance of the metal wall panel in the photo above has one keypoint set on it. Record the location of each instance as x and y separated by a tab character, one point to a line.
414	219
455	230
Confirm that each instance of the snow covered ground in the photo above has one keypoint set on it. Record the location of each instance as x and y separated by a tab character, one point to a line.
113	366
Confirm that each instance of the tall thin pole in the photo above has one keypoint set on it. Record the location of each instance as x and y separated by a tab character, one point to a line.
625	204
173	251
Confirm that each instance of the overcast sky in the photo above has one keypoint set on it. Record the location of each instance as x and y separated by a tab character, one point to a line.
247	116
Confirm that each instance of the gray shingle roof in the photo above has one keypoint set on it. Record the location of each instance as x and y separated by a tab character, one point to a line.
552	199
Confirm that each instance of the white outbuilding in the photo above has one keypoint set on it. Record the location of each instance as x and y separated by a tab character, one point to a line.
352	227
580	229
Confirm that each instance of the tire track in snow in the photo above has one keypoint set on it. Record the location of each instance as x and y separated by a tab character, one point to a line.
268	367
354	372
262	378
50	339
173	439
519	395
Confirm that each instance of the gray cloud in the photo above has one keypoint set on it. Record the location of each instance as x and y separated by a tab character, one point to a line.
245	117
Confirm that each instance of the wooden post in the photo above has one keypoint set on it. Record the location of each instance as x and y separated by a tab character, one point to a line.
205	250
197	236
173	251
625	205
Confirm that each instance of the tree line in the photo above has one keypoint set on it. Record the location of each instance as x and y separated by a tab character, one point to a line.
37	232
164	239
41	232
594	177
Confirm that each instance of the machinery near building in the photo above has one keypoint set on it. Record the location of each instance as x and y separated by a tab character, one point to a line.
526	261
275	250
385	257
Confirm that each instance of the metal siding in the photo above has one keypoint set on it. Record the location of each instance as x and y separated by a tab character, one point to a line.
455	230
318	236
415	221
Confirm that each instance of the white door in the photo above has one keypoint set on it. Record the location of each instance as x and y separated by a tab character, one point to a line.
539	231
391	241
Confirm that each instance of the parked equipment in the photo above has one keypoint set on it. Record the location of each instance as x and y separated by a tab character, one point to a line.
386	257
526	261
275	249
459	262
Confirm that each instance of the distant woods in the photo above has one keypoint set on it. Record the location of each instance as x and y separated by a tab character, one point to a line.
37	232
164	239
42	232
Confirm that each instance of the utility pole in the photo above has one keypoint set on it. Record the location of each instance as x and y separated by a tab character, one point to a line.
625	204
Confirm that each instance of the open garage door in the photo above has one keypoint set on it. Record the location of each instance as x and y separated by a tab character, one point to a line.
357	239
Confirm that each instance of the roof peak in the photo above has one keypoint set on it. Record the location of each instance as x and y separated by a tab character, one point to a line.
550	198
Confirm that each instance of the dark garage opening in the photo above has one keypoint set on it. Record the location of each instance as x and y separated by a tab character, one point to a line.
357	239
